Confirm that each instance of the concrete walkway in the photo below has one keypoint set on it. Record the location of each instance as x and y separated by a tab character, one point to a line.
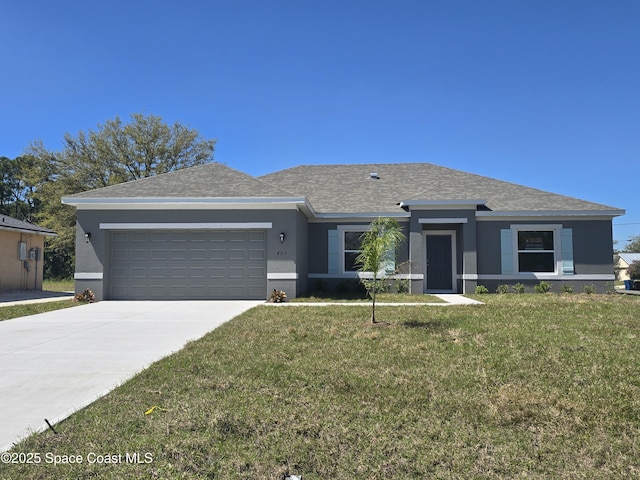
55	363
448	299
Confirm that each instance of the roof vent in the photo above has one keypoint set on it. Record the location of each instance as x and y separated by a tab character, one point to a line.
374	176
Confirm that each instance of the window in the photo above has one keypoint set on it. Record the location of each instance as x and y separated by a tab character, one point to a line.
344	244
536	251
352	248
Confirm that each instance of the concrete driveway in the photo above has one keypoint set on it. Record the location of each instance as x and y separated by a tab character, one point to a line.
55	363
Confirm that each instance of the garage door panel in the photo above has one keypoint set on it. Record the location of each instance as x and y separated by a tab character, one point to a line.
199	237
256	291
158	273
198	254
217	272
119	273
158	254
159	237
179	254
235	272
138	254
217	291
178	273
237	254
119	237
119	254
255	254
139	272
137	237
218	237
256	272
198	273
236	290
235	237
187	265
217	254
257	237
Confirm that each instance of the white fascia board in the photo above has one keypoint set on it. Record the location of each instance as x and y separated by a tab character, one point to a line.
439	203
568	214
187	226
177	203
358	217
443	220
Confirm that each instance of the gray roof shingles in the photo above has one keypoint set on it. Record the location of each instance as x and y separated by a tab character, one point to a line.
348	188
10	223
212	180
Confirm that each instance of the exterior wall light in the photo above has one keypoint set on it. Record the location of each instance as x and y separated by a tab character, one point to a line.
87	237
282	237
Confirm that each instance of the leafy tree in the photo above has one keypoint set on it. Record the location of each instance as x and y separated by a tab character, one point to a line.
633	244
379	244
114	153
16	192
634	270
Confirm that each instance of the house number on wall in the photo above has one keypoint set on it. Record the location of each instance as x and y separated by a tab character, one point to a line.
281	252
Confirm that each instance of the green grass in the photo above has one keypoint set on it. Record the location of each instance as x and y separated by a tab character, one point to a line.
526	386
58	285
15	311
380	298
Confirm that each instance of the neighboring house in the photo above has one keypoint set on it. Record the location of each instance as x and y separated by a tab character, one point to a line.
21	254
623	260
211	232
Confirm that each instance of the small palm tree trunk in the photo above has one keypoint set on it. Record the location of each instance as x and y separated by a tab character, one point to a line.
373	306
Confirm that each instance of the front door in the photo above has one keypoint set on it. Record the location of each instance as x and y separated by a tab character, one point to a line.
440	261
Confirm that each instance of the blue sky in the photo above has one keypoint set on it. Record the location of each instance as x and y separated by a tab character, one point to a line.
537	92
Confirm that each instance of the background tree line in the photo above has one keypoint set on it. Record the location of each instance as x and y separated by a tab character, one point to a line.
34	183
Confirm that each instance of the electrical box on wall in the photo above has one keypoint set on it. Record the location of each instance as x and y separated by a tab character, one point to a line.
22	250
34	254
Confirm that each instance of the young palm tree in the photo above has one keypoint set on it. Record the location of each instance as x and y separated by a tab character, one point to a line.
379	244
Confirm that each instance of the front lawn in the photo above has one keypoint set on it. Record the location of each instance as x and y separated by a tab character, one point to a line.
15	311
56	285
526	386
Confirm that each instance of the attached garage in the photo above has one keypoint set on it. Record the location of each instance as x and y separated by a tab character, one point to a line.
187	264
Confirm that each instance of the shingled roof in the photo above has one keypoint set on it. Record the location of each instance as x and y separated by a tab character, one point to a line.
344	189
351	189
10	223
212	180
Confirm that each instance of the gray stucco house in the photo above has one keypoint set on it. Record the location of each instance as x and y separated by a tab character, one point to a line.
212	232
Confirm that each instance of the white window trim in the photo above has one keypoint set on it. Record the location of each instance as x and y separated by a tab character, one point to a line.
342	229
557	248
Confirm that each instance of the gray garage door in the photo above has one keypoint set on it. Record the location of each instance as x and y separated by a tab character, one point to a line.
184	264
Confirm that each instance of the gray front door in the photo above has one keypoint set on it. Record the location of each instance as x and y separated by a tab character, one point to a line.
439	262
187	264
